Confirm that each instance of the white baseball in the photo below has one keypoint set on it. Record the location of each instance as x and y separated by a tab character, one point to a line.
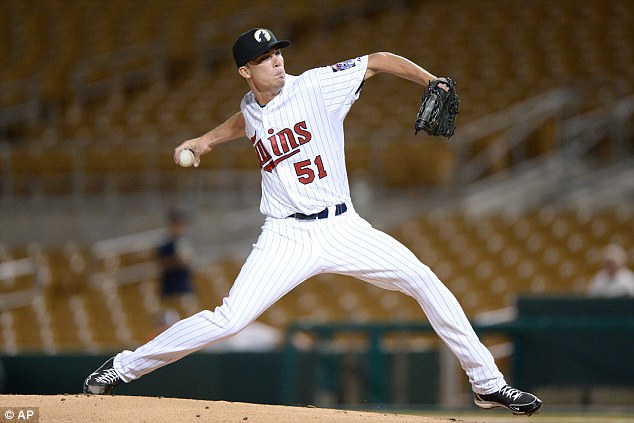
186	157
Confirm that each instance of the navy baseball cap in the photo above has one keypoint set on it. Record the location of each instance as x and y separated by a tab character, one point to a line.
255	43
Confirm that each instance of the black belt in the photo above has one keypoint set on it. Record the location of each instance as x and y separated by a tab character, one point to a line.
339	209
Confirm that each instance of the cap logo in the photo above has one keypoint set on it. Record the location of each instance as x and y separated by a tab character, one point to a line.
262	36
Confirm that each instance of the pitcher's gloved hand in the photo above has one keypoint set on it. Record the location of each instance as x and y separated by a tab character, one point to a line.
437	114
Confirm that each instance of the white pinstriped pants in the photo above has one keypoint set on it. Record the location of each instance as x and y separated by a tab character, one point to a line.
290	251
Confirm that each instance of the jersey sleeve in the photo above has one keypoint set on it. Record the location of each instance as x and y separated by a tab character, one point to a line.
341	83
246	107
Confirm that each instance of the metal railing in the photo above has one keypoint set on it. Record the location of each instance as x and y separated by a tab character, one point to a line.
546	177
514	124
376	354
12	269
119	246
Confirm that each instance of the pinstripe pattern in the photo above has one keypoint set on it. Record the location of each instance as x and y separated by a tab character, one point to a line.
290	251
299	139
280	260
321	98
357	249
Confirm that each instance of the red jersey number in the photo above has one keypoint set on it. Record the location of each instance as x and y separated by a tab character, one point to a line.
305	172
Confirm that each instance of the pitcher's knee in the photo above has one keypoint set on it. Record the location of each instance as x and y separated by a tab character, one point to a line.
205	314
225	322
421	280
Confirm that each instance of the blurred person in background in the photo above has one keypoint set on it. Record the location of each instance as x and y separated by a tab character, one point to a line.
615	279
175	259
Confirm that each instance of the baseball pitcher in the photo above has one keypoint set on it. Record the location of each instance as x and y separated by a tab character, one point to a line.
295	125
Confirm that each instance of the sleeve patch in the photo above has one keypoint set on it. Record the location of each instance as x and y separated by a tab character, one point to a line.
347	64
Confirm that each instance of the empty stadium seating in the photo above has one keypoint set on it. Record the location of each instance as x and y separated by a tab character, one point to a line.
486	262
95	95
146	78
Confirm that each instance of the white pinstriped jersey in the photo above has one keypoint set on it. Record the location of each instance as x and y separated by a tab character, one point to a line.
298	137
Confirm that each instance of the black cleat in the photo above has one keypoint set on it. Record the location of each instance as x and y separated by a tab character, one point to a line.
102	380
520	403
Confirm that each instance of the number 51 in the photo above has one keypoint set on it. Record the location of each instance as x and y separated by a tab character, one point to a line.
305	173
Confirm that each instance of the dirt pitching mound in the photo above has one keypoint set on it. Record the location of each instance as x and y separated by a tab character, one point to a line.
84	408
